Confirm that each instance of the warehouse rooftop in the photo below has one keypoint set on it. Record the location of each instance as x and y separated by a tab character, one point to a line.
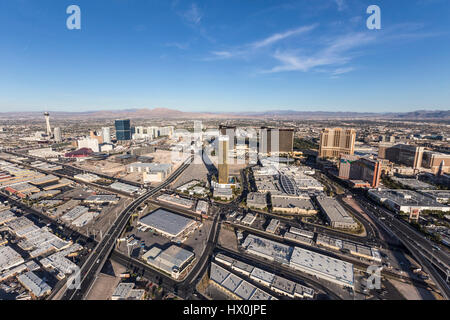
319	263
167	222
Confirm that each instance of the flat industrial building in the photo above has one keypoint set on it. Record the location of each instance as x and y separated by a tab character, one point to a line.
122	291
275	283
242	267
34	284
267	249
232	282
336	214
257	200
7	216
44	180
178	201
298	238
292	204
74	213
245	290
126	291
167	223
226	260
301	232
283	286
441	196
172	260
261	295
319	265
327	268
249	219
262	276
235	286
9	258
414	183
124	187
406	200
101	198
273	226
303	292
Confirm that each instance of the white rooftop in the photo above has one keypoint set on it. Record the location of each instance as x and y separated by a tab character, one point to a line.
167	222
35	284
267	248
321	264
262	275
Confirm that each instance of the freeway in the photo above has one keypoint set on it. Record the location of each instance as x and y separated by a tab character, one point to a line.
424	244
421	248
430	250
99	255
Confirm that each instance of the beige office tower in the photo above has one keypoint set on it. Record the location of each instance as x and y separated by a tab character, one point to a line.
223	159
337	141
57	134
106	134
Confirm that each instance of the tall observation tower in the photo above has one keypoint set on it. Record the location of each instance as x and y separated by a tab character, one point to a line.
47	121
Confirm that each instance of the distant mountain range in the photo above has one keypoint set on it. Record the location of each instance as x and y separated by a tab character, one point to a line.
163	113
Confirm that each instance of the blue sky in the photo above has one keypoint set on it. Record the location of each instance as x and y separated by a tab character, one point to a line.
227	55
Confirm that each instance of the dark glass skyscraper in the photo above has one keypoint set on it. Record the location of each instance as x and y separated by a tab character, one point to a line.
276	140
123	130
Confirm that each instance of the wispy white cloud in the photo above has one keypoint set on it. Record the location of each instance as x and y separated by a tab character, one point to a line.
340	71
290	61
340	4
409	32
335	53
193	15
329	53
179	45
223	54
245	50
281	36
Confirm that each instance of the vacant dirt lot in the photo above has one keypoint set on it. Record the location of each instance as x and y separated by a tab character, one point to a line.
227	239
104	286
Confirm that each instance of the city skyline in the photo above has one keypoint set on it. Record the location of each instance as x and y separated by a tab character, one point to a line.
221	157
225	57
248	209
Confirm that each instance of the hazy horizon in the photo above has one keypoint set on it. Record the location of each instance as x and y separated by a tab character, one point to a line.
281	110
